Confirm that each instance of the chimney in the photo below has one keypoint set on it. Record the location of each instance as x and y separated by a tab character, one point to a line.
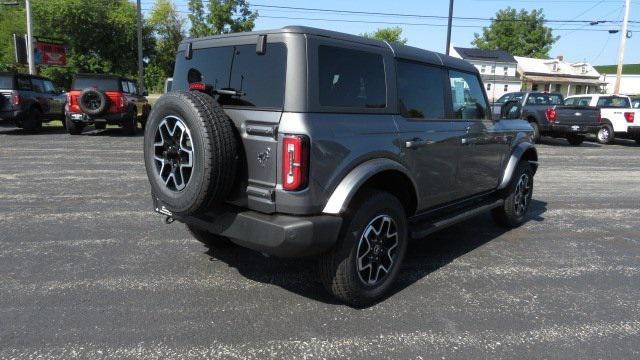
560	57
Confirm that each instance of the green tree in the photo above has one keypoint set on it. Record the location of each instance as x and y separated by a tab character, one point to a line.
390	34
223	17
168	28
197	19
12	21
521	33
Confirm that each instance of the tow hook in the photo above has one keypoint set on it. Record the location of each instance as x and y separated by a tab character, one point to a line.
169	219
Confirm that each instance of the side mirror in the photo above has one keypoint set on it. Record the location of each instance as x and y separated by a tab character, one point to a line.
511	110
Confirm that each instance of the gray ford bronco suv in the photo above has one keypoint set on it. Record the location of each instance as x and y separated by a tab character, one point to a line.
302	142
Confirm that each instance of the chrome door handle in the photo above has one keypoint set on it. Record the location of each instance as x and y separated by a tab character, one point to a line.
416	143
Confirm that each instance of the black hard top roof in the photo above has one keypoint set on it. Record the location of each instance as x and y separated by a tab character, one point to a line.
485	55
400	51
29	75
102	76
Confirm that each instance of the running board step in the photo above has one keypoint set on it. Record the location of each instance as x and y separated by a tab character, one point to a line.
422	230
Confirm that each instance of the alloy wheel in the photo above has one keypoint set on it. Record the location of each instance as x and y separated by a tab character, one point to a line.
173	157
604	135
377	250
522	195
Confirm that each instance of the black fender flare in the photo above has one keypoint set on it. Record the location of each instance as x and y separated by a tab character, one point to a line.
518	153
353	181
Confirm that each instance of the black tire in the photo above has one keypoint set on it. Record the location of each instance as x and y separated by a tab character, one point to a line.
100	125
32	121
93	102
214	151
208	238
575	140
536	132
638	141
339	267
605	135
130	125
73	128
509	214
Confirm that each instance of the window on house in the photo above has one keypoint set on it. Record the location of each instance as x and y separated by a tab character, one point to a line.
584	69
483	69
493	69
488	86
534	87
557	88
506	88
555	67
547	87
506	70
578	89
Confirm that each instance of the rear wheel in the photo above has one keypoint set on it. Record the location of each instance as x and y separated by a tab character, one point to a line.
366	260
536	131
517	198
605	135
33	120
208	238
130	125
575	140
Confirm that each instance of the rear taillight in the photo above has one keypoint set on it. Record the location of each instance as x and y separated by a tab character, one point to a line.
295	162
15	98
197	86
630	117
552	115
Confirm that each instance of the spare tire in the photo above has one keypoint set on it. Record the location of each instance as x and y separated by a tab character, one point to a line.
93	102
190	152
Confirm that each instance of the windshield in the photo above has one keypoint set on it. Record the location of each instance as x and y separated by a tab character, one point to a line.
614	102
636	103
6	82
97	83
544	99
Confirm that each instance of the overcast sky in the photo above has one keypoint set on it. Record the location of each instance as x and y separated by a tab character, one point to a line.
578	41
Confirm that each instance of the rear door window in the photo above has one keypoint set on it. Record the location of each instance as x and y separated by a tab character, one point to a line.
125	87
132	87
258	78
420	91
49	88
37	85
351	78
544	99
23	83
467	95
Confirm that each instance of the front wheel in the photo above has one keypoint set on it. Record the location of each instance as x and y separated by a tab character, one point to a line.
605	135
130	125
575	140
366	259
517	198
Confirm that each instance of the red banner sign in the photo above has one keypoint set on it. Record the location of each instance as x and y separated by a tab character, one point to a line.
50	53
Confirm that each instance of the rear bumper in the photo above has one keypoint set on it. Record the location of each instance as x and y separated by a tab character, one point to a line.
572	129
634	132
274	234
111	119
11	115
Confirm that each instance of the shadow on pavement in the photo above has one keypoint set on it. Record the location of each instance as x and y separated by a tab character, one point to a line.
423	257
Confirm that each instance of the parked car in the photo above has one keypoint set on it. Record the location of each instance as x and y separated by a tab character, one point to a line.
574	121
534	106
302	142
27	101
619	116
103	100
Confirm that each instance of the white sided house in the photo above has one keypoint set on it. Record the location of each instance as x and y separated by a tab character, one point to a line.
559	76
497	68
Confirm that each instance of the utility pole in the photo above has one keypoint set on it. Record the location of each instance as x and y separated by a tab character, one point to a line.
140	68
449	27
623	45
30	56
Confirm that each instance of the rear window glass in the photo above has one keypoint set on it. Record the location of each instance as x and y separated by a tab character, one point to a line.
259	79
351	78
420	91
510	97
544	99
6	82
584	101
98	83
614	102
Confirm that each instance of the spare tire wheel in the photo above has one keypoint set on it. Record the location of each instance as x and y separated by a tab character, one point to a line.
190	152
93	102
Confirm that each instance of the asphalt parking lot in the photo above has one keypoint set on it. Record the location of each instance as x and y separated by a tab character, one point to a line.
88	271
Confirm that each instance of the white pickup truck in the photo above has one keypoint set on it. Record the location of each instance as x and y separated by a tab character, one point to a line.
618	115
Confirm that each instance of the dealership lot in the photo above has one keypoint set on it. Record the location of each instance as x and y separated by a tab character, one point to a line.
86	270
